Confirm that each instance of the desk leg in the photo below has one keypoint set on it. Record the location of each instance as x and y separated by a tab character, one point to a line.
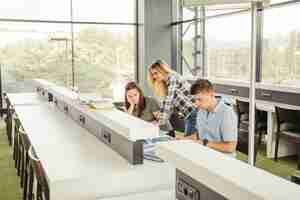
298	154
9	128
270	136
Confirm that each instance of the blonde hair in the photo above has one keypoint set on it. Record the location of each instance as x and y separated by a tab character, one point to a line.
159	88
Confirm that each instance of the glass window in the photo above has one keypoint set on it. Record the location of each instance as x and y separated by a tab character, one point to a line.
36	9
228	47
34	50
188	13
227	8
105	59
281	46
188	49
108	11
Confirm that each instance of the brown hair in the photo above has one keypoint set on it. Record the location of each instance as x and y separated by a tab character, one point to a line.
201	85
142	103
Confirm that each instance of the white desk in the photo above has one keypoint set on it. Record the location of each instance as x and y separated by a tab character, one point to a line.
156	195
285	148
233	179
22	99
25	99
79	166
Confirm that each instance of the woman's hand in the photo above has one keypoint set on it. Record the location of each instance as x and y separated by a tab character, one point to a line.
156	115
131	102
131	107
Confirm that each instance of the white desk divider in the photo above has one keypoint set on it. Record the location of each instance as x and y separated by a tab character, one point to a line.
121	131
212	175
42	88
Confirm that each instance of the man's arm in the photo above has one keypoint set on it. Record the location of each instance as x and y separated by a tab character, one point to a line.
225	147
193	136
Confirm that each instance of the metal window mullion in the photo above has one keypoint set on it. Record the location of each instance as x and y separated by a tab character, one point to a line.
176	37
137	60
203	43
254	45
196	39
72	45
259	38
180	38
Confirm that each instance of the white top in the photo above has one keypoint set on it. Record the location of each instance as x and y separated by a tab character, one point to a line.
25	99
79	166
227	176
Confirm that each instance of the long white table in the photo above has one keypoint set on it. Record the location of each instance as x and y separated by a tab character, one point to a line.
25	99
229	177
79	166
157	195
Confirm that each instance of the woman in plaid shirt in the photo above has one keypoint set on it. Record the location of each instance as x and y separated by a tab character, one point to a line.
175	92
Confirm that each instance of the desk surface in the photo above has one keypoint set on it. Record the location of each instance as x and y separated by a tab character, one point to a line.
155	195
231	178
78	165
25	99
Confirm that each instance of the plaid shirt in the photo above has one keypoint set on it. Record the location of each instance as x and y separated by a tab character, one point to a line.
178	99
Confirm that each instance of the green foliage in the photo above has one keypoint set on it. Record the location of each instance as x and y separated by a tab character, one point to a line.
100	57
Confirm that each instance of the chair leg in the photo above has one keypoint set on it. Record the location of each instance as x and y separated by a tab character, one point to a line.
14	147
276	147
260	138
25	187
298	155
23	167
39	191
20	159
30	184
17	151
8	128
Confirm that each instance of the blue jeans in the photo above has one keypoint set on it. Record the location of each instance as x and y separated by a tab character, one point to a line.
190	123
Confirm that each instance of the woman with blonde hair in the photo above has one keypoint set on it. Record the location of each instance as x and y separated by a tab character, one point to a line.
175	92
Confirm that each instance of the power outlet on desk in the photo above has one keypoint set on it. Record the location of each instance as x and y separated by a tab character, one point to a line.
186	190
50	97
82	119
106	136
56	102
66	109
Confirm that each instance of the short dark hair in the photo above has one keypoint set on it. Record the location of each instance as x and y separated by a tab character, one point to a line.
201	85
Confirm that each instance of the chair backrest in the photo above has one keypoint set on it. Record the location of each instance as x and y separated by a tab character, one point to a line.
295	179
287	116
35	162
242	107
